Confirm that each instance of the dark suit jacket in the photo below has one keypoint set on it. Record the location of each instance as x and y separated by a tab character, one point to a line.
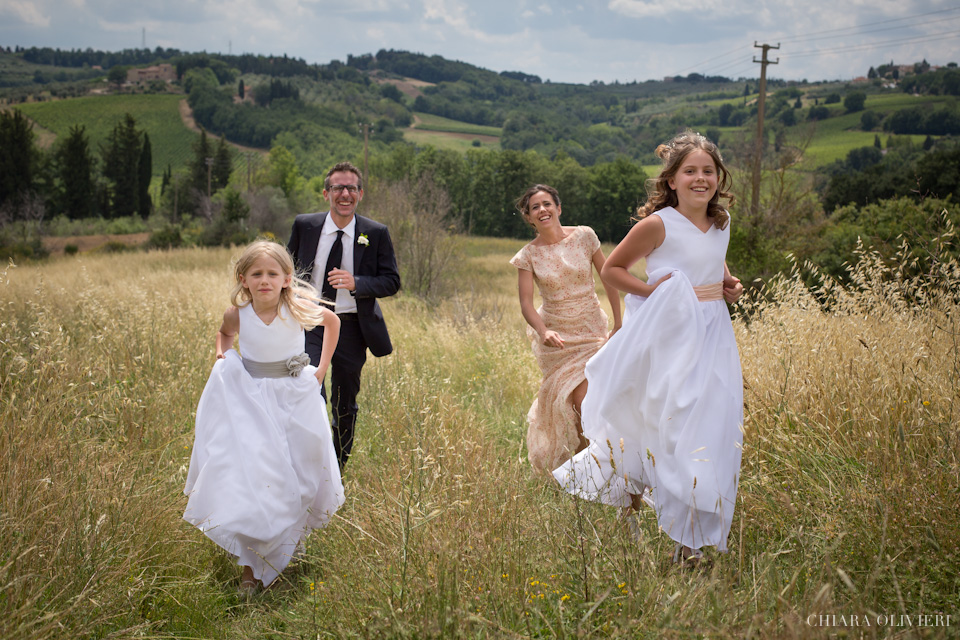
374	269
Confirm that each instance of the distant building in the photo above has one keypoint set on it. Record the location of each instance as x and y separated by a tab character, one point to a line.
165	72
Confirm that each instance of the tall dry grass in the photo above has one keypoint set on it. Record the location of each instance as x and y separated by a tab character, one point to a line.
848	498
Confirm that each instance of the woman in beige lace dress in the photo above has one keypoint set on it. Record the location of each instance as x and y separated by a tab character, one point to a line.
567	329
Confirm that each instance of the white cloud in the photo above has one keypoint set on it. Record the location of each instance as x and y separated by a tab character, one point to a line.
26	13
455	15
562	40
644	8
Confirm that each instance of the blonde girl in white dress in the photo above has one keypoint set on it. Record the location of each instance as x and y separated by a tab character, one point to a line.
263	471
664	404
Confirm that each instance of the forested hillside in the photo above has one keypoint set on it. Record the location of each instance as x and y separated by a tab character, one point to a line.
825	146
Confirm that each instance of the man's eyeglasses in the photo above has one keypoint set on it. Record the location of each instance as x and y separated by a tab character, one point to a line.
339	188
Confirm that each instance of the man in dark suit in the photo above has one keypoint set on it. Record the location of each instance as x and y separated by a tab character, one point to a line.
353	275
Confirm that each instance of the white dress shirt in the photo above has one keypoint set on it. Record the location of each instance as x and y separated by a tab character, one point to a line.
345	303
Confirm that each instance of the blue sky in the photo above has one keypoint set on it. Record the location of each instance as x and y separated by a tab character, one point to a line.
563	41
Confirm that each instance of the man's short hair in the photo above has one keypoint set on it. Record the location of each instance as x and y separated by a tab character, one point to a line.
343	166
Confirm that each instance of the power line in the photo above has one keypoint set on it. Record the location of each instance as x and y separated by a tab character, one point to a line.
873	45
726	65
869	24
711	59
918	24
716	64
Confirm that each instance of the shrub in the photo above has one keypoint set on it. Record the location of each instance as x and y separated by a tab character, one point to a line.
818	113
166	237
417	215
882	226
869	120
854	102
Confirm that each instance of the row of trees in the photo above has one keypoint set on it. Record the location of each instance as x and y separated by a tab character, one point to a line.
77	182
67	181
94	58
869	175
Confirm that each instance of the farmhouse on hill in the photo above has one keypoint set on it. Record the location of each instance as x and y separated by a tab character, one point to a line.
165	72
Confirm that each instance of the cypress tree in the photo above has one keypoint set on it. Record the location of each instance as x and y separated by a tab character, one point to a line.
121	162
75	166
165	182
145	171
198	168
18	157
222	165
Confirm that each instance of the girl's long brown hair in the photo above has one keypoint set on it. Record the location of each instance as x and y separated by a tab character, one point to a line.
673	153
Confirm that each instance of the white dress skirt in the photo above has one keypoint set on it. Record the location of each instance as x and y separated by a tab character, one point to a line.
664	404
263	471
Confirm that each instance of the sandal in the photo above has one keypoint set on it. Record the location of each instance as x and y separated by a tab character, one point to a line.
247	589
631	517
687	557
248	584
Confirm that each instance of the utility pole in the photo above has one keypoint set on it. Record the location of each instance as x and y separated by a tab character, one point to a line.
761	99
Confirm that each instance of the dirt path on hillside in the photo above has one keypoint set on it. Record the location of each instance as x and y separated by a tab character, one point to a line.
186	114
407	86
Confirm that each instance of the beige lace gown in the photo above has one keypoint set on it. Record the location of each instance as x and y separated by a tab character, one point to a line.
563	272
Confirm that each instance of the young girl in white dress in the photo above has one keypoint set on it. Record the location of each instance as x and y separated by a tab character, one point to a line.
664	403
263	472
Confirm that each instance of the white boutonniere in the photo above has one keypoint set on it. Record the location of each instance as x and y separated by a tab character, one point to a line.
363	239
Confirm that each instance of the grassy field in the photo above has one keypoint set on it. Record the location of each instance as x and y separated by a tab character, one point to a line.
170	141
451	141
832	139
430	122
847	504
17	72
839	134
444	133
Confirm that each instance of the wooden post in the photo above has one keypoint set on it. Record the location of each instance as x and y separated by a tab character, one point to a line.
761	100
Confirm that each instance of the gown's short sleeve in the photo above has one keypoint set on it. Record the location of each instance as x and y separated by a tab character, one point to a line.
591	239
522	260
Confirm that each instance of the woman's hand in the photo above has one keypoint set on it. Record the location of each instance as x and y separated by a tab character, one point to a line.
656	284
321	375
551	338
732	289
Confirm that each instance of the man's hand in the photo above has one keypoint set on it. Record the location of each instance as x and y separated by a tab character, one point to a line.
340	279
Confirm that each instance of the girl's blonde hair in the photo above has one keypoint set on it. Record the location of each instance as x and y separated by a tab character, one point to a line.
673	153
300	297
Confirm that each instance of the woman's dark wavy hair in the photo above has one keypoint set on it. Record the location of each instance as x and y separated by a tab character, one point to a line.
523	202
673	153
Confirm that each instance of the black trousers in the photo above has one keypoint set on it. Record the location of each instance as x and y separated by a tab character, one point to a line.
345	368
